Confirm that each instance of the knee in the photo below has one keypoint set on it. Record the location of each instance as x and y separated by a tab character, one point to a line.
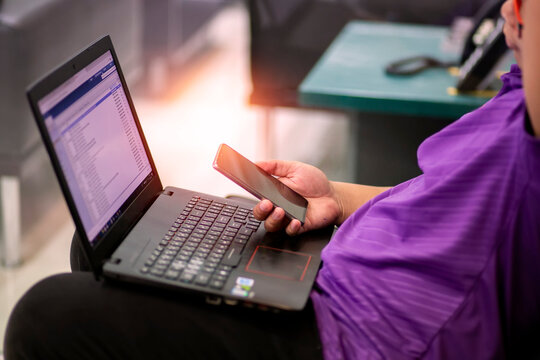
37	322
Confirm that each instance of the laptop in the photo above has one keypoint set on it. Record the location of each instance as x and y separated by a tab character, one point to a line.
134	230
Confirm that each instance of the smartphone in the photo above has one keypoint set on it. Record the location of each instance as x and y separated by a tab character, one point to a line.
259	183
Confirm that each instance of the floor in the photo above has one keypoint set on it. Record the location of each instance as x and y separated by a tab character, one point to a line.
184	128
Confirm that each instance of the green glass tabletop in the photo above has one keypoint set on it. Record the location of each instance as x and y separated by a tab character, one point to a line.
350	75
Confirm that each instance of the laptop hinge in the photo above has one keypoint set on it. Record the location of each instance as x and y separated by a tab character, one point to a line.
167	192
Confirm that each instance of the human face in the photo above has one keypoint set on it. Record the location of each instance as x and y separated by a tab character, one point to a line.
511	28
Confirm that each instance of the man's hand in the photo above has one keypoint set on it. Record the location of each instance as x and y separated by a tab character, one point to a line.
323	207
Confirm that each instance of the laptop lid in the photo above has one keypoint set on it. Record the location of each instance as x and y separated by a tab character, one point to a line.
91	131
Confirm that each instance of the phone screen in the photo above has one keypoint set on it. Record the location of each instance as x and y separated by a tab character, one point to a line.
259	183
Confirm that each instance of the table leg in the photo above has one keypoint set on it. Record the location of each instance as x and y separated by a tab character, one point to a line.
386	146
10	221
353	148
266	120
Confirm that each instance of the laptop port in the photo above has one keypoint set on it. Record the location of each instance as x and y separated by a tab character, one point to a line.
231	302
115	261
248	304
213	300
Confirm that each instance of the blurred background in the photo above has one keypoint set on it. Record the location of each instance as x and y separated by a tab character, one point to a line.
201	72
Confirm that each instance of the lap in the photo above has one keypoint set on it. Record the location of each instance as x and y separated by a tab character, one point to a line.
75	316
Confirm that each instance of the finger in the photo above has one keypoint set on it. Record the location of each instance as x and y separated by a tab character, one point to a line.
294	228
277	167
276	220
263	209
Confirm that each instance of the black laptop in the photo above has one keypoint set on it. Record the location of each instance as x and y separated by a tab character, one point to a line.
131	228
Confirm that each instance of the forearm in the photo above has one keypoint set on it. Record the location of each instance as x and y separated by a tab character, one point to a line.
351	196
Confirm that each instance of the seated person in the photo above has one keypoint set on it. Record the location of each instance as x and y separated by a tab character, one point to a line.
445	265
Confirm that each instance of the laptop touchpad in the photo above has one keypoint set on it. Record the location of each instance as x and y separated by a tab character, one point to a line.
284	264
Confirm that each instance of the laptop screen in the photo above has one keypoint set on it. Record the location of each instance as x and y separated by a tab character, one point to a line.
97	142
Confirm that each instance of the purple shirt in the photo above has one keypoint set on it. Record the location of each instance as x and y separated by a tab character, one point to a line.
445	265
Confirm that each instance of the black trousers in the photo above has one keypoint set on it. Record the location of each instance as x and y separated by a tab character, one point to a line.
73	316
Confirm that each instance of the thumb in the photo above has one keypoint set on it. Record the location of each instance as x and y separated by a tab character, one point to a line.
277	167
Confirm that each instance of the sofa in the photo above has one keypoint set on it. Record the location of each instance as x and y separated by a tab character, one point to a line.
35	37
38	35
172	30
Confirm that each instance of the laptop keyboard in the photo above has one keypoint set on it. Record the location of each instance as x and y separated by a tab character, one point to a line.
204	243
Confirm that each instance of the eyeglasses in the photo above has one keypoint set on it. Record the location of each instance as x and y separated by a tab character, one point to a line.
517	8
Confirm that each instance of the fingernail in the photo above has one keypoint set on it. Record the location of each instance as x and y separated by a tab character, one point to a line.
266	206
293	229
